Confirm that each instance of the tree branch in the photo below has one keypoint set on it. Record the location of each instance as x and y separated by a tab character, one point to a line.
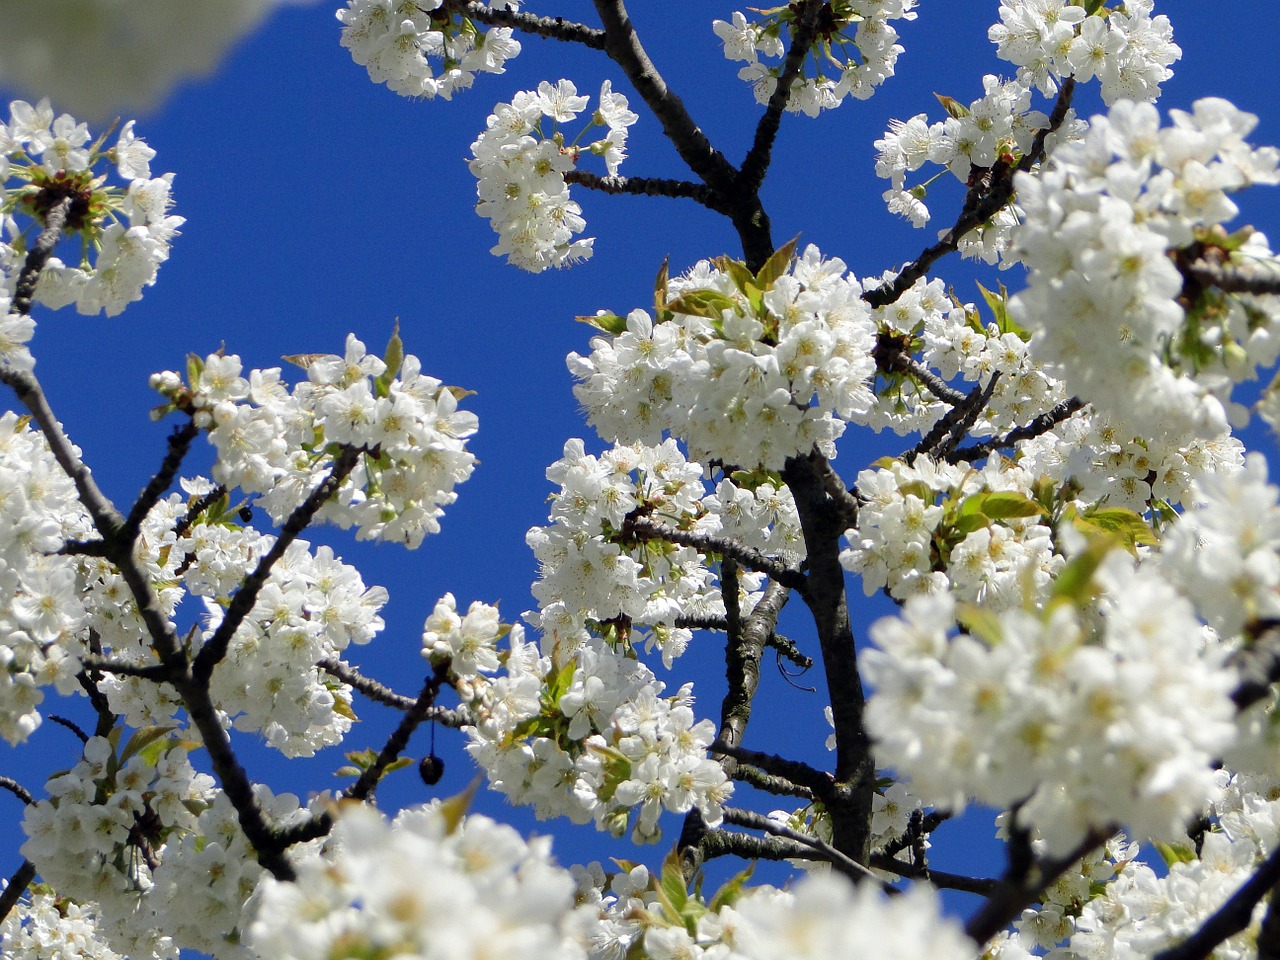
803	33
550	28
179	444
18	884
725	546
38	256
385	695
641	186
820	521
242	603
851	868
983	201
1036	427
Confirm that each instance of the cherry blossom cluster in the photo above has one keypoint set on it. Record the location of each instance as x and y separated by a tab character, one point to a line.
1098	224
49	928
98	837
310	608
41	608
419	49
640	913
856	40
520	169
1124	46
124	229
937	528
428	884
1084	713
746	370
999	125
587	734
406	428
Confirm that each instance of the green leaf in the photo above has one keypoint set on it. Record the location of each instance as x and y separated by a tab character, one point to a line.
674	895
777	264
1009	505
731	890
144	738
610	323
1092	6
1120	522
1172	853
738	272
1075	581
710	304
456	807
393	357
660	286
954	107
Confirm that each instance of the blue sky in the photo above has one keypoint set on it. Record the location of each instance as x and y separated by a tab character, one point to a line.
318	203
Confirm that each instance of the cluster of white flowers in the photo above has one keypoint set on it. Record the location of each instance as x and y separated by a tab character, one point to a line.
586	734
1124	47
856	39
1085	718
41	610
125	231
47	928
937	528
400	41
428	884
1104	297
745	370
520	171
99	836
825	916
407	428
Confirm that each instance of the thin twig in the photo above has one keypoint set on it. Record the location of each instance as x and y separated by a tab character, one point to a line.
950	881
242	603
1230	918
1036	427
980	206
804	31
17	789
845	864
179	444
819	783
749	557
641	186
38	256
380	693
363	788
551	28
18	884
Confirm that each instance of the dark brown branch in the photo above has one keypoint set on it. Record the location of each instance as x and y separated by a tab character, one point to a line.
1022	885
1230	918
804	30
817	782
641	186
928	824
953	425
985	199
749	557
179	444
18	884
844	500
242	603
896	360
199	506
364	787
949	881
767	783
820	521
550	28
851	868
17	789
385	695
1036	427
1258	663
1233	279
623	47
725	843
70	725
38	256
155	672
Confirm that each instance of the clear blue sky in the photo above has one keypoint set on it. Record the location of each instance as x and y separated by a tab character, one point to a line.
318	203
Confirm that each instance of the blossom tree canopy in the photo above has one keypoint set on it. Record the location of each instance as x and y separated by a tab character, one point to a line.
1073	545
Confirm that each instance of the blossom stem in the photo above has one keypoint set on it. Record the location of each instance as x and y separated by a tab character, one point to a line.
39	255
551	28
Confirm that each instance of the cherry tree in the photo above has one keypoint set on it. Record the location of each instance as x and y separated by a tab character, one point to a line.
1084	557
